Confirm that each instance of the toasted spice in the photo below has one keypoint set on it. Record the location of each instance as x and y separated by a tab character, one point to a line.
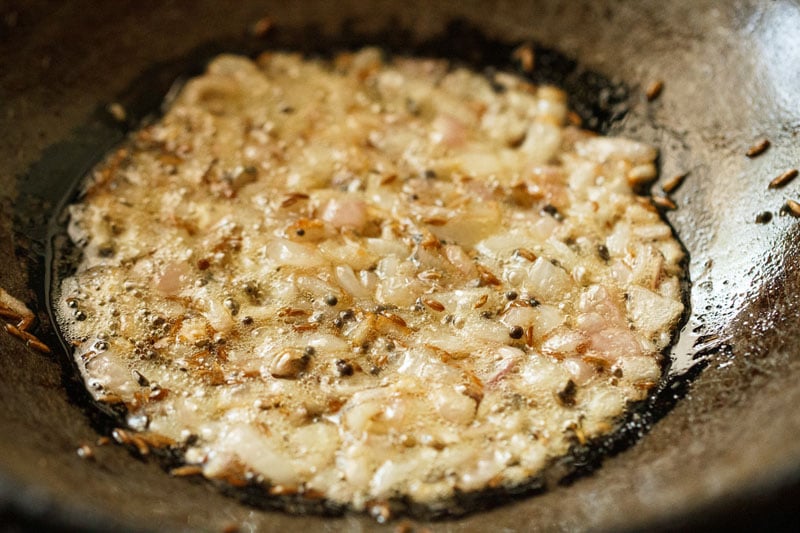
784	179
140	378
566	396
664	202
653	90
602	251
763	217
29	339
793	207
380	511
186	470
288	364
396	319
529	338
345	301
129	438
674	182
758	148
117	111
85	451
574	119
344	368
435	305
391	178
578	433
525	254
486	276
292	198
526	57
435	221
404	527
15	310
430	275
262	27
231	528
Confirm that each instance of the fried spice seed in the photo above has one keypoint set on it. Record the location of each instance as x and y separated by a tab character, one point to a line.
186	470
664	202
404	527
758	148
764	217
674	182
793	207
435	305
140	379
262	27
85	451
381	512
525	254
117	111
30	339
574	119
486	276
344	368
231	528
654	90
14	310
567	395
784	179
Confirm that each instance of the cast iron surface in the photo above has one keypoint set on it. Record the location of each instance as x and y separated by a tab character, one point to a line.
732	76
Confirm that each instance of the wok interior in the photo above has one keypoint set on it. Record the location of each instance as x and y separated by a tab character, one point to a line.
731	438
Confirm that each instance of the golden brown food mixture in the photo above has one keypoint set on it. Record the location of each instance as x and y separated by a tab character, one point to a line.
367	279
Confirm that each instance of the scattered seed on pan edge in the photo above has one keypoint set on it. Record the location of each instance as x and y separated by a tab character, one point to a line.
654	90
674	182
186	470
435	305
526	57
574	118
784	179
85	451
262	27
365	321
664	202
758	148
793	207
